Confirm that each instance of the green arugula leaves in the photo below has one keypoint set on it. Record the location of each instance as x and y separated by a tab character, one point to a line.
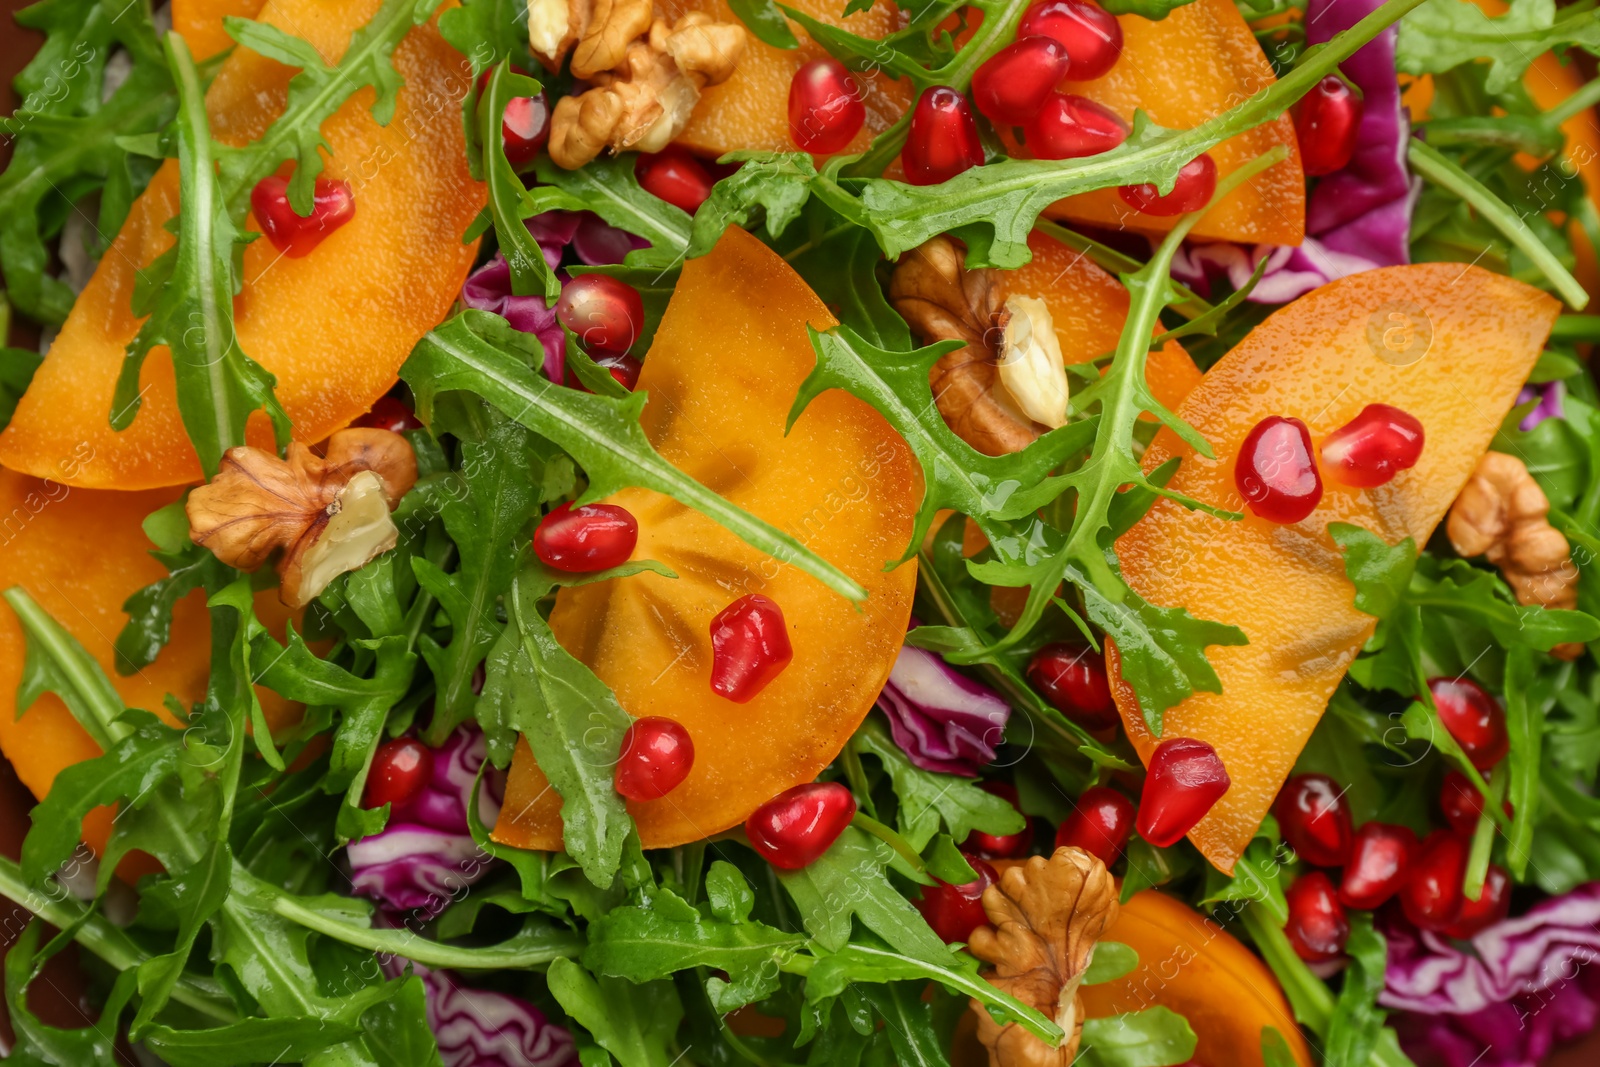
1443	34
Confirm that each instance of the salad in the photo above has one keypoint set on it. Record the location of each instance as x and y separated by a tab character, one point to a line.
658	532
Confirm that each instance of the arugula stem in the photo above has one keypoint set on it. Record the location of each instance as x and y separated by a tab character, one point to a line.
1576	327
101	705
1483	836
1188	303
851	759
1580	101
890	838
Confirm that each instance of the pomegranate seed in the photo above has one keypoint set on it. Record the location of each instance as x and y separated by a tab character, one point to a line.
1327	124
525	127
390	414
593	537
1315	819
943	139
656	755
1473	717
1074	679
676	177
1380	859
825	108
1431	895
1185	778
1071	127
1462	803
1492	905
1197	180
1015	82
1317	927
749	647
1092	38
1001	846
954	911
1275	472
1373	447
401	768
1100	825
333	205
605	313
625	369
796	826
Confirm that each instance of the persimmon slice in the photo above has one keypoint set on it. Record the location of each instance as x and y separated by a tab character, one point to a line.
722	373
334	326
1452	346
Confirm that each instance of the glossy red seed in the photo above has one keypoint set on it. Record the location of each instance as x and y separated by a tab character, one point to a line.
1185	778
390	414
1100	824
1474	718
1431	895
1380	859
1275	471
676	177
525	127
943	139
749	647
1373	447
1091	36
1073	678
1492	905
1315	819
1327	123
797	826
1015	82
825	107
1461	802
1318	927
1001	846
655	756
625	369
401	768
1197	180
954	911
605	313
1071	127
581	540
333	205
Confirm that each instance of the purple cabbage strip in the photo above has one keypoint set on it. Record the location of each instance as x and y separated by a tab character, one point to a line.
1551	404
1519	1032
943	720
483	1028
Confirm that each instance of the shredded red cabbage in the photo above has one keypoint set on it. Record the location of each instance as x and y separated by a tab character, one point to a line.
1551	405
483	1028
943	720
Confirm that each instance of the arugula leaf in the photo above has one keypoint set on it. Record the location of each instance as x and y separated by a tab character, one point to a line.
632	1022
486	31
1155	1037
908	1021
609	188
929	800
1442	34
55	661
289	1039
17	366
38	1044
1111	960
1150	9
770	186
1275	1051
508	198
1380	572
762	18
189	567
1357	1020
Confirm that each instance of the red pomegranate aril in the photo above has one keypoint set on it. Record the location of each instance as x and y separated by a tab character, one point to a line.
401	768
1492	905
797	826
1073	678
581	540
333	205
390	414
1275	471
1072	127
1318	927
1327	123
1185	778
1015	82
1431	896
1373	447
525	127
675	176
1474	718
655	756
1462	804
749	647
1091	36
1001	846
825	107
1100	825
625	369
605	313
954	911
1197	180
1380	859
1314	819
943	139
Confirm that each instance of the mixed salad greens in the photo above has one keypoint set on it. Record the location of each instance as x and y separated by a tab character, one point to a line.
329	887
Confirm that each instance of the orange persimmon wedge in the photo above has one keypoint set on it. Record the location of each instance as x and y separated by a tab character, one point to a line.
722	373
1450	345
200	23
333	326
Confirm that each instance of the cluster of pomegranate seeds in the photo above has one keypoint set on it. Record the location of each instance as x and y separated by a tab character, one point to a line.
1275	471
1315	819
333	205
749	647
1492	905
1197	181
954	911
1431	895
1091	36
1100	825
1379	861
605	313
797	826
655	757
1074	679
1001	846
389	413
581	540
1072	127
1318	927
943	138
401	768
1373	447
1474	718
1184	780
676	177
1013	84
1327	123
825	107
